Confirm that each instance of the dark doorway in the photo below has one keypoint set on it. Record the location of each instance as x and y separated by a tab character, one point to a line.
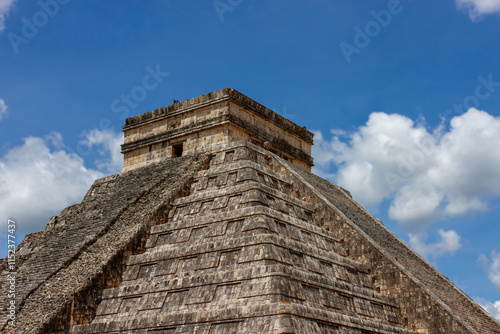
177	150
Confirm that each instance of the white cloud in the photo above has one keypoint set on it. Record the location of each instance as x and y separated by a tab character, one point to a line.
416	204
3	108
491	267
425	175
370	161
109	147
449	243
478	8
491	308
5	7
41	177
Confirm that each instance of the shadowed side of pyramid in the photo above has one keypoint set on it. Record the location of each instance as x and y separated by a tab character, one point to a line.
62	269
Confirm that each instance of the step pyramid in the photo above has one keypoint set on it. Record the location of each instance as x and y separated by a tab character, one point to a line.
217	225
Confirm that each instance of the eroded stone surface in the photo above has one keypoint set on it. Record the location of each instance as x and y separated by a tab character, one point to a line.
188	127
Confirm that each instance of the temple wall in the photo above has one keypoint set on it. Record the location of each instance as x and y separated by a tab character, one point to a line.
216	118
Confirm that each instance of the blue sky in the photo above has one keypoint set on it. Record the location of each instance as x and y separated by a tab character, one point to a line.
404	98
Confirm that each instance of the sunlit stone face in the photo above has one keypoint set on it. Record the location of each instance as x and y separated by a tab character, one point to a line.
198	125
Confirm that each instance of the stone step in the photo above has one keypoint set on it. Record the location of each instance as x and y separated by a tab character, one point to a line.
238	312
273	246
230	273
251	192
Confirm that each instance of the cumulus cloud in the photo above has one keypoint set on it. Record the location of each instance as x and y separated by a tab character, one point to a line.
5	8
491	267
491	308
449	243
425	175
108	144
371	160
479	8
42	176
3	109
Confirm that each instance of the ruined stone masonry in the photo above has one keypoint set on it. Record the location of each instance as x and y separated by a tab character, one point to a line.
216	225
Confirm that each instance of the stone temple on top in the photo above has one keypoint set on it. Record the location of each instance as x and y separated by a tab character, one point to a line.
217	225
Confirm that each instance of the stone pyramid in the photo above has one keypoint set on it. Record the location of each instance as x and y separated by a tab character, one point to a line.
216	225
